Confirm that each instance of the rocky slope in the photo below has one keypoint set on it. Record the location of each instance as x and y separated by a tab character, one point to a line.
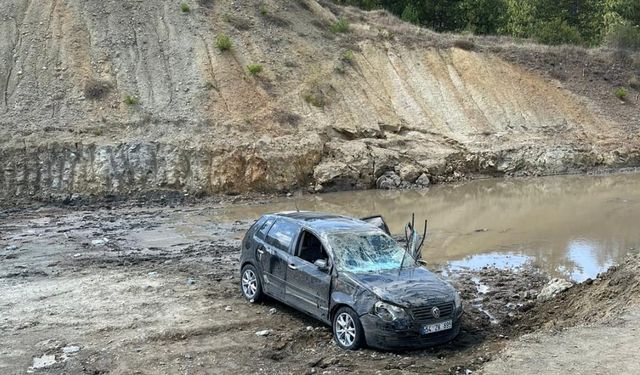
328	111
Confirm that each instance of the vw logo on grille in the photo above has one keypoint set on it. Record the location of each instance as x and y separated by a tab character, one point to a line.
435	312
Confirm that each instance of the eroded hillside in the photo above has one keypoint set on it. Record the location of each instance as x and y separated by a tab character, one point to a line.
329	110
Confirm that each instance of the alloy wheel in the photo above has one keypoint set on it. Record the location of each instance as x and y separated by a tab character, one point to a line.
345	329
249	283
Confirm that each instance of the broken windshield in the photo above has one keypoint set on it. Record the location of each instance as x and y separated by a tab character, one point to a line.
367	252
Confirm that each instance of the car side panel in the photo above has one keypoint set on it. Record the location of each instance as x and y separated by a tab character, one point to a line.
273	264
307	288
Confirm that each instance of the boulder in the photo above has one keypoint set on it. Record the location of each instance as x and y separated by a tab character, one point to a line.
389	180
423	180
553	288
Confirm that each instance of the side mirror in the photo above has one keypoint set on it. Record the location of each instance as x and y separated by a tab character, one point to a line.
322	265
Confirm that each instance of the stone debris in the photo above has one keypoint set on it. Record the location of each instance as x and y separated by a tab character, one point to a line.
553	288
99	242
264	333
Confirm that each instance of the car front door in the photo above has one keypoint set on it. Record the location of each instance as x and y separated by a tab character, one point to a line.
307	285
273	255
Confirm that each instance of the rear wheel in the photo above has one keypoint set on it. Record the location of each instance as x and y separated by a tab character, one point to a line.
347	329
250	284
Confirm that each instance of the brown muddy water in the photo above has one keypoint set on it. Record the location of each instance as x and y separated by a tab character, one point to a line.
570	226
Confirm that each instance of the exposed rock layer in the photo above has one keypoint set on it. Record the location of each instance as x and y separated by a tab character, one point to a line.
404	101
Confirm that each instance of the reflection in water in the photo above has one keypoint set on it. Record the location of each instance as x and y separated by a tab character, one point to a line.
575	226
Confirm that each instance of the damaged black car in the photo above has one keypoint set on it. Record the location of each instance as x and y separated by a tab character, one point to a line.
351	274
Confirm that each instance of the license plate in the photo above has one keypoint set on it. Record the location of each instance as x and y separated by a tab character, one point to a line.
437	327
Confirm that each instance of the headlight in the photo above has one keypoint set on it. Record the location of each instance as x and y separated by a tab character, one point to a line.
388	312
457	301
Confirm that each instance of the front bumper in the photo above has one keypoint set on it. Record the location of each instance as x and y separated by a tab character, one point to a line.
393	336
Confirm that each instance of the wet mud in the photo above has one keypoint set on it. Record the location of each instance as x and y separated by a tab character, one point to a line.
137	291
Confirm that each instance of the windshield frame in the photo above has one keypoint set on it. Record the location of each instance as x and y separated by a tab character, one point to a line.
407	262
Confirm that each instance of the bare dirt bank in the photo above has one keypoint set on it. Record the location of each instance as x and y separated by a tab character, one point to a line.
590	329
404	101
131	290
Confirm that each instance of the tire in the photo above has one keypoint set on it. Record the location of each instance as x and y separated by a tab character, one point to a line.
347	329
250	284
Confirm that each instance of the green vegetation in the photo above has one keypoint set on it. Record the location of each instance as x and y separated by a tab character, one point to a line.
184	7
254	69
223	43
341	26
622	93
131	100
263	9
583	22
347	56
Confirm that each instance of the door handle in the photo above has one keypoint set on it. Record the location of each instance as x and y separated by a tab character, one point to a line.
260	251
292	266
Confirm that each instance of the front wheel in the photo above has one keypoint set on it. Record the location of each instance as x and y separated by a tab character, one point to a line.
347	329
250	284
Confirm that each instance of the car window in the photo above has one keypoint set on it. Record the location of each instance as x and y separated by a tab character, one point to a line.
264	228
281	234
367	252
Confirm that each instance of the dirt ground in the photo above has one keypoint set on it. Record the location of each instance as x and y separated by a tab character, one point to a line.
133	290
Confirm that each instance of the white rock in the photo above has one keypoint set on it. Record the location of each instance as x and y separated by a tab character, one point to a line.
228	308
265	332
70	349
99	242
553	288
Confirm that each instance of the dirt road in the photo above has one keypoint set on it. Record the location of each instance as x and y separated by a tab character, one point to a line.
132	290
601	349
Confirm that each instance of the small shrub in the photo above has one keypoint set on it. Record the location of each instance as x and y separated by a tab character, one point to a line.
556	32
223	43
348	56
340	26
263	9
131	100
622	93
95	89
184	7
254	69
464	44
624	36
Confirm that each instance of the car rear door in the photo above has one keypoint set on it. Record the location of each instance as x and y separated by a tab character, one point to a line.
274	256
308	287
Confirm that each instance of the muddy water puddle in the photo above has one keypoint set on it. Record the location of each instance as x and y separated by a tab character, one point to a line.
570	226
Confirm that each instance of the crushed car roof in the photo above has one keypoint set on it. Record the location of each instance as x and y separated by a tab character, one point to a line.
325	223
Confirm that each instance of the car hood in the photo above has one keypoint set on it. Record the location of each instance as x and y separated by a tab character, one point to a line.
409	287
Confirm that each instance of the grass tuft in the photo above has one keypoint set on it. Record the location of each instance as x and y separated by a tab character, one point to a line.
340	26
131	100
223	43
621	93
347	56
254	69
184	7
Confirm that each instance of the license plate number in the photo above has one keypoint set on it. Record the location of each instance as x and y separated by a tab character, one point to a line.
437	327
